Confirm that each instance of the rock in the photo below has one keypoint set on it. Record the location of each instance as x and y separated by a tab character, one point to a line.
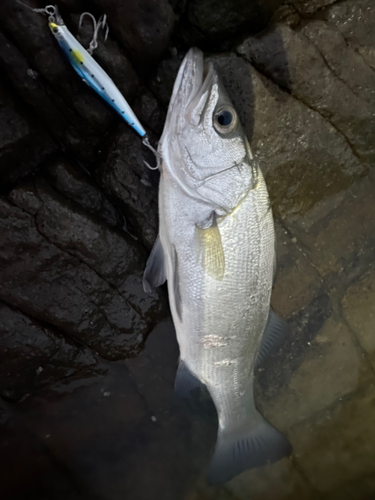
143	27
303	157
287	14
23	146
297	282
29	470
355	20
33	355
150	112
57	288
226	18
294	63
279	481
113	255
162	84
124	176
77	185
338	234
335	448
359	311
277	370
308	7
332	368
345	62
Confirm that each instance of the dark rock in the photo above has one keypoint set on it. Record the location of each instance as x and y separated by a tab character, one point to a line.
62	123
75	184
23	145
302	155
143	27
338	234
113	255
55	287
150	112
33	355
308	7
293	62
355	20
288	15
124	175
162	83
344	61
27	469
304	326
221	18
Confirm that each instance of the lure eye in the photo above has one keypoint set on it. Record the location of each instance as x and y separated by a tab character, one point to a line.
225	120
55	30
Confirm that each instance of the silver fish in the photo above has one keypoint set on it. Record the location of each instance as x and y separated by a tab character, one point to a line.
216	248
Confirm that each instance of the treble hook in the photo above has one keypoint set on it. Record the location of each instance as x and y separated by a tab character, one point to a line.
49	10
146	143
101	23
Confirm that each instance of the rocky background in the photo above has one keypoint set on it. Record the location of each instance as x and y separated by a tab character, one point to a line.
83	414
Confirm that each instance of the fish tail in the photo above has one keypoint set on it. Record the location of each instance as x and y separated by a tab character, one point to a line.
253	445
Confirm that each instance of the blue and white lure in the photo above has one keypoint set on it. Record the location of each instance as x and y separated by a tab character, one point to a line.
90	71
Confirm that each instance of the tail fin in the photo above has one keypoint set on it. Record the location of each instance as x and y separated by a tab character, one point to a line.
252	446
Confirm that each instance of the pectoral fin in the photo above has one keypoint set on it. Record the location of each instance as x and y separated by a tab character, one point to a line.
154	274
210	250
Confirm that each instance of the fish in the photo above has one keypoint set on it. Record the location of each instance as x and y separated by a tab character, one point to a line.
91	72
216	249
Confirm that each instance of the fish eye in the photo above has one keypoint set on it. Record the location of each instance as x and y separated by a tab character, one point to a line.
225	120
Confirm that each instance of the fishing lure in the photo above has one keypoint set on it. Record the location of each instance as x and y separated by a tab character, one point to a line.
90	71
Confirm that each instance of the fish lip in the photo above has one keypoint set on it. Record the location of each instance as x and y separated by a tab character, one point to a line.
193	79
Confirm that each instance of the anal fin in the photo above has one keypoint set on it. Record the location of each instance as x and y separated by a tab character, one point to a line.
185	382
275	334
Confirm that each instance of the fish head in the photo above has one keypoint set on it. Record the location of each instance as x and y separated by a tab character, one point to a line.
203	143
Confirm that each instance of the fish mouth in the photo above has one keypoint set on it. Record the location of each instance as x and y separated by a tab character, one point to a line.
191	88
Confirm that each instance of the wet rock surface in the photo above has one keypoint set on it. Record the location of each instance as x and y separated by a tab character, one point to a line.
33	355
87	409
